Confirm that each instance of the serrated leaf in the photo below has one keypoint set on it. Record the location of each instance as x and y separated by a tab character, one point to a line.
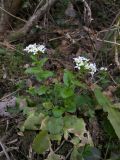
41	142
113	115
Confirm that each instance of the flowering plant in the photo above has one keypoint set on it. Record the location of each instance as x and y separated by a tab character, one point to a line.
84	63
103	69
34	48
56	103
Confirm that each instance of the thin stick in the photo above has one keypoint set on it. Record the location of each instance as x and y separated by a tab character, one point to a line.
8	150
68	154
9	95
13	15
107	149
60	146
113	79
39	5
116	47
115	43
4	150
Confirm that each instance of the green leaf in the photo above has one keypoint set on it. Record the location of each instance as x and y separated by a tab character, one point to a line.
80	84
42	62
42	75
32	70
55	137
33	121
48	105
39	62
32	90
75	155
41	142
106	125
70	108
57	112
70	104
68	77
55	125
47	74
74	125
83	100
90	153
42	90
75	141
53	156
113	115
66	92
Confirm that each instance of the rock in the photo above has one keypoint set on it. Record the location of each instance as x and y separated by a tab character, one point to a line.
7	104
70	11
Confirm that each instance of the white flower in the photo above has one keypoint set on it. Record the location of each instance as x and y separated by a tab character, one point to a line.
103	69
93	68
34	48
41	48
84	62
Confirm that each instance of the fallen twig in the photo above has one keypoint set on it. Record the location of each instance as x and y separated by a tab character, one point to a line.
8	150
4	151
110	42
116	34
9	95
13	15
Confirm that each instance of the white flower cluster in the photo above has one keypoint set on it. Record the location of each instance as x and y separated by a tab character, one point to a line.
84	62
34	48
103	69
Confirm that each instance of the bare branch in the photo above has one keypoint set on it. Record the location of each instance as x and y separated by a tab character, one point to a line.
12	15
39	13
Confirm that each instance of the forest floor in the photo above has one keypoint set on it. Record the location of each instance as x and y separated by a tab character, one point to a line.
65	39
